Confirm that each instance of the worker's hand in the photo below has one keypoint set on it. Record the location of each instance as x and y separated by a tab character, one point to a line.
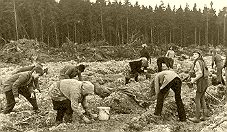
94	116
32	95
37	91
193	80
86	120
90	115
17	99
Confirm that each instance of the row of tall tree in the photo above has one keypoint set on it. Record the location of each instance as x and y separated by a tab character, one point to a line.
114	22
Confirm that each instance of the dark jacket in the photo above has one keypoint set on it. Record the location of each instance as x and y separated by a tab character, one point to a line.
29	68
217	60
168	61
69	72
144	53
136	66
19	80
24	69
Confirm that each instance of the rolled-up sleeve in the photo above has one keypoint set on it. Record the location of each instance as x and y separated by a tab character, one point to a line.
75	104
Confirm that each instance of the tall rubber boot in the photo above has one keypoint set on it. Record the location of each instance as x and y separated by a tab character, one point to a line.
196	119
204	115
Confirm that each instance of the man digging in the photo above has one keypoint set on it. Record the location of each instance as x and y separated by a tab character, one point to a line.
162	83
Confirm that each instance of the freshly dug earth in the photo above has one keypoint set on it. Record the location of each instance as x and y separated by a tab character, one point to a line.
125	112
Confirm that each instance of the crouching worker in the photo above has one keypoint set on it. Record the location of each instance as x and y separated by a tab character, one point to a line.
166	60
30	68
134	68
69	72
162	82
68	93
21	83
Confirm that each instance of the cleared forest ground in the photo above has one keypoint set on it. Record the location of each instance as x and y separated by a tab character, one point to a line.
109	74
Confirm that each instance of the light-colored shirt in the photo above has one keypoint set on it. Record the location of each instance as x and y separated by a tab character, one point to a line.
198	70
164	78
170	54
75	91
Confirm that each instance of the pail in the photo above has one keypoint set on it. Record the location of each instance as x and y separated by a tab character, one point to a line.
104	113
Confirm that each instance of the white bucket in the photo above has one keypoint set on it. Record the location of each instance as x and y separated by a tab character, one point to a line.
104	113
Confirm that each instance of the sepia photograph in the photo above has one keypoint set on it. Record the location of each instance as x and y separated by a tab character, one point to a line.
113	65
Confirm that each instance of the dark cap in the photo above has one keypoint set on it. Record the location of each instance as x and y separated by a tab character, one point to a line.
197	51
38	69
81	67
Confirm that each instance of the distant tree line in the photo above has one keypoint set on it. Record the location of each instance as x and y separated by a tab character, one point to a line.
114	22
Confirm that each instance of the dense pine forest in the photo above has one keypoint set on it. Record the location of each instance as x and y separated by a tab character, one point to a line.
116	23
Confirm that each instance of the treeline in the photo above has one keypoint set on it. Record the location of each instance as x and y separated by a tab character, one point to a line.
114	22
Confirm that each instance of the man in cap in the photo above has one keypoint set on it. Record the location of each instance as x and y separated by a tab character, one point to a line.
30	68
68	93
134	68
200	77
21	83
69	72
144	52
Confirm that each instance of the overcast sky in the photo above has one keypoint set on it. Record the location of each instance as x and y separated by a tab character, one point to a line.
217	4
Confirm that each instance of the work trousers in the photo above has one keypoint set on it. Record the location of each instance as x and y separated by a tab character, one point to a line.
63	109
11	101
202	85
168	61
175	85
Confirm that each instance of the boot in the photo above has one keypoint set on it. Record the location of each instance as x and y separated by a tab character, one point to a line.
204	115
195	119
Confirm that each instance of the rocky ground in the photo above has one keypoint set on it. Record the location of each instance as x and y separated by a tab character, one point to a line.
125	112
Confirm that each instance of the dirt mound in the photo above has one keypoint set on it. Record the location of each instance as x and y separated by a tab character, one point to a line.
22	50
